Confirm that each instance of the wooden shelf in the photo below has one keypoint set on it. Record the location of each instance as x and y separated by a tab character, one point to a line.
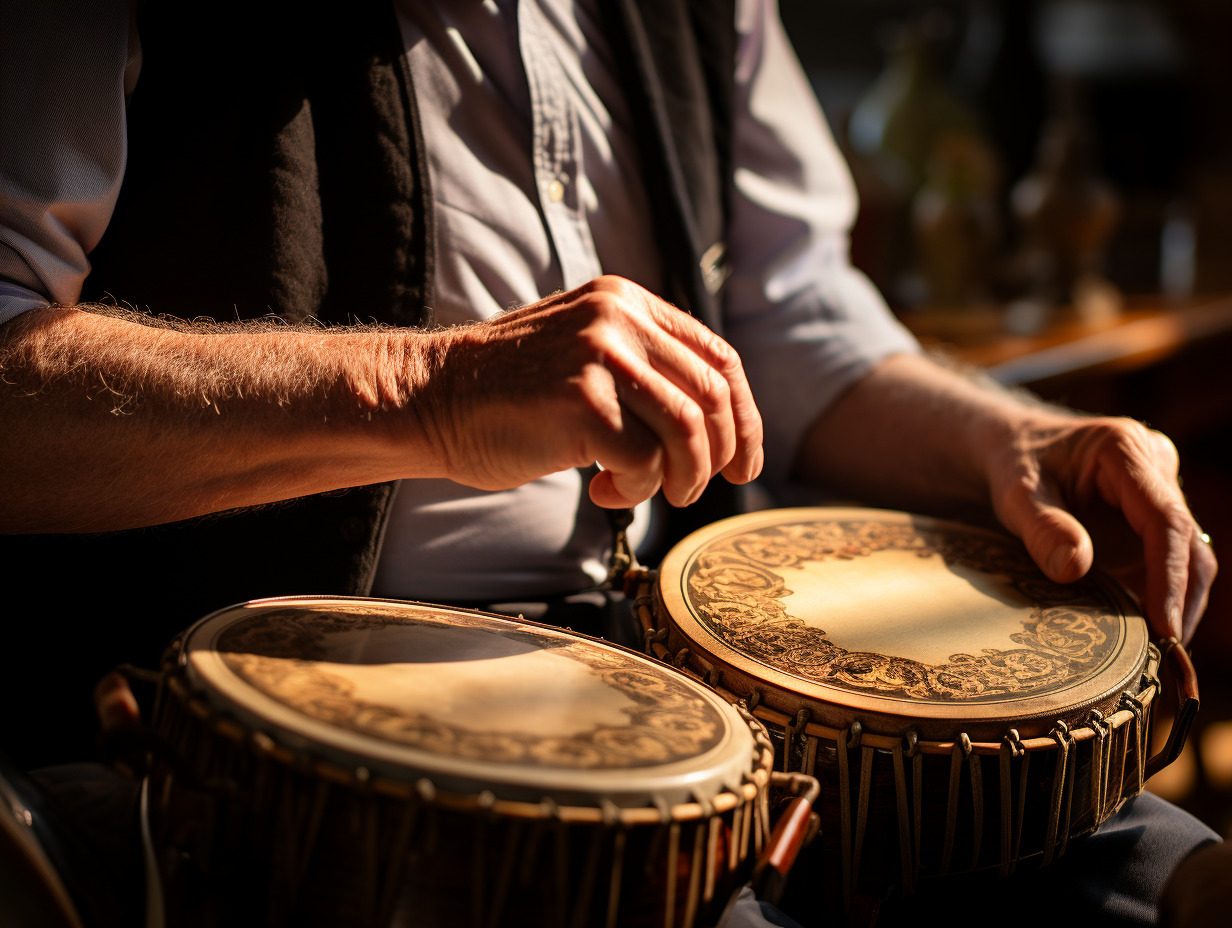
1146	333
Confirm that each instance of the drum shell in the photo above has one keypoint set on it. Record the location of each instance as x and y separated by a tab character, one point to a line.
1017	805
239	818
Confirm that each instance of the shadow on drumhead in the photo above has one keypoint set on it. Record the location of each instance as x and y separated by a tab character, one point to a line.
300	634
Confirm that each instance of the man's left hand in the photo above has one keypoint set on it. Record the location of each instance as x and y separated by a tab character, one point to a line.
1080	491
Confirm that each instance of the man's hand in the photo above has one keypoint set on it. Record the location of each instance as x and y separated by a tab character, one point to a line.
1082	491
607	373
1077	490
111	423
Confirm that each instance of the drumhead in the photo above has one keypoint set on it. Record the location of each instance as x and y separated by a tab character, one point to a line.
473	702
902	619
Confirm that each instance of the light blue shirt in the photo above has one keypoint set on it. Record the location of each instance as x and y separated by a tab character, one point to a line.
534	169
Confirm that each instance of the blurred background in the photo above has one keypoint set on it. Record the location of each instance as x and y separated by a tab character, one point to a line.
1046	191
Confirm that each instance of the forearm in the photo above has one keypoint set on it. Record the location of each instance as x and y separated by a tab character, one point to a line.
1075	489
913	435
113	424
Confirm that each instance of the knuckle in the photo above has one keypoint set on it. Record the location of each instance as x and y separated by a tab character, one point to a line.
1122	436
715	392
620	291
1021	490
724	357
593	390
689	417
1142	449
1133	439
612	283
1176	516
1164	449
599	306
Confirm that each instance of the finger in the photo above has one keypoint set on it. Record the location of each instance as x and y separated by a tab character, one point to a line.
747	458
1155	510
1147	488
115	704
630	454
689	356
1057	542
1202	570
611	489
699	381
674	417
632	462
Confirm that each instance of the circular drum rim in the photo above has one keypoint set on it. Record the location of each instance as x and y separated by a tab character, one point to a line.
729	669
732	766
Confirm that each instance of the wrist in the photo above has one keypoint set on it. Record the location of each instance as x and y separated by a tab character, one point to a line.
391	398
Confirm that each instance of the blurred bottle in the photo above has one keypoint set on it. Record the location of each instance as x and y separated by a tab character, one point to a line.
1130	63
1066	211
908	107
956	223
910	137
998	71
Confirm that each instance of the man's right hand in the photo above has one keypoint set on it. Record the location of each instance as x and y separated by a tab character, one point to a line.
111	423
607	372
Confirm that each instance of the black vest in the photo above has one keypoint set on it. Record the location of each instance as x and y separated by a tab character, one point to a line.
275	166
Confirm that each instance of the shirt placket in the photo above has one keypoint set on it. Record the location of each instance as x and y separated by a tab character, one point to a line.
556	150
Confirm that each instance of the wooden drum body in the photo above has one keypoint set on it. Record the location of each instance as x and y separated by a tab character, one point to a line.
961	711
368	762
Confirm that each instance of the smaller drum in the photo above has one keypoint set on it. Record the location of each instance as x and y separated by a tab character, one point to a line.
961	711
353	761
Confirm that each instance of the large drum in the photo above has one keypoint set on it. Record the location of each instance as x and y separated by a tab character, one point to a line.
962	711
369	762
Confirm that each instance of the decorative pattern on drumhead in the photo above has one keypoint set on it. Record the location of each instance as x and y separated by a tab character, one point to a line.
292	655
736	585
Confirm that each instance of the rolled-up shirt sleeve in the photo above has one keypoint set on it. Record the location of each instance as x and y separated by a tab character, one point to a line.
805	322
64	71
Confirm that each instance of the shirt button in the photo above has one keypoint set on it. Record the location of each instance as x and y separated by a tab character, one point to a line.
556	191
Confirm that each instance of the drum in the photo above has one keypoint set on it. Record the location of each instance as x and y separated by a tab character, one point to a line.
961	711
369	762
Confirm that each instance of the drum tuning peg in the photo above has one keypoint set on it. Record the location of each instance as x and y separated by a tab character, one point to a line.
855	733
609	811
426	789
